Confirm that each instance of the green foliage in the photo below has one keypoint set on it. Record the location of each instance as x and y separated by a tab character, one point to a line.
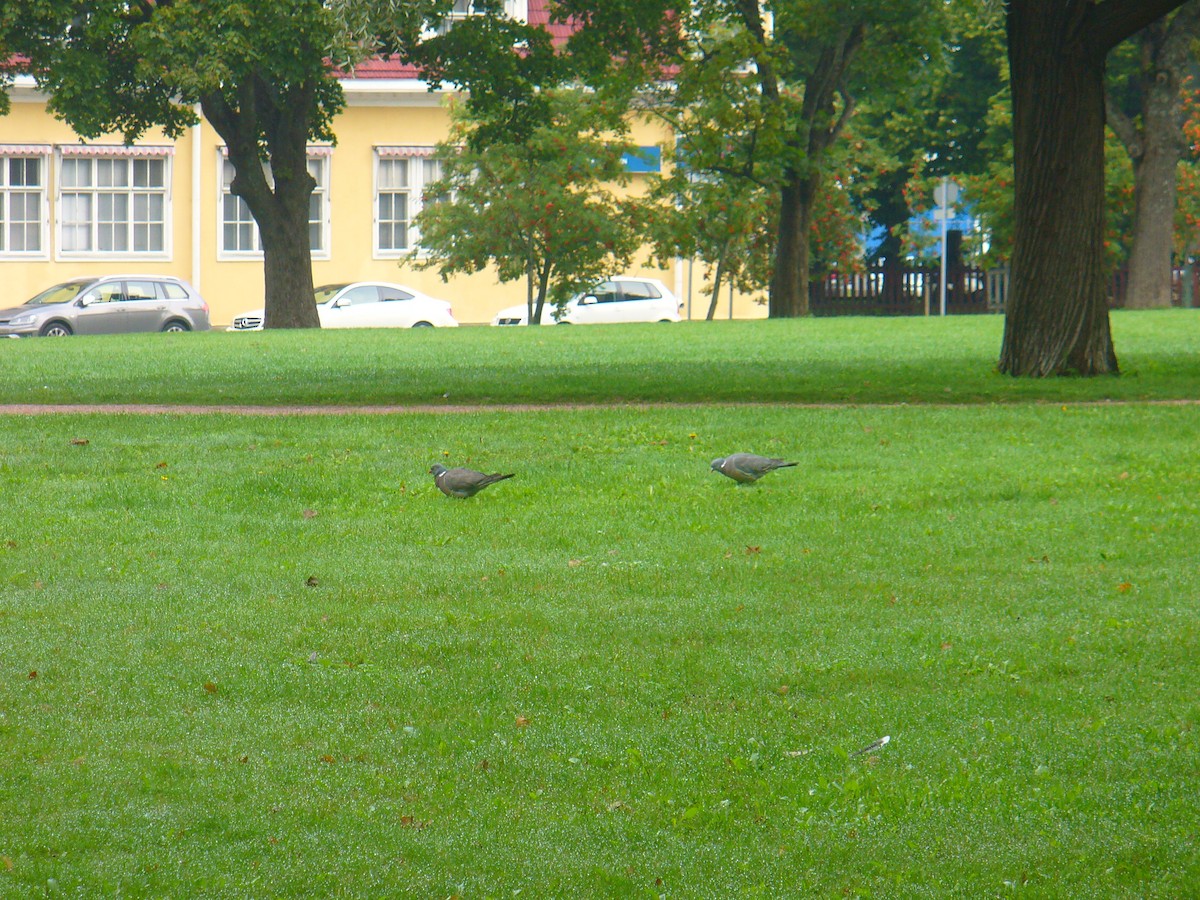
952	119
274	51
86	57
540	205
504	67
766	102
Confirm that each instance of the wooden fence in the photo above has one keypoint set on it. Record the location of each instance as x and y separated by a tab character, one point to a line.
896	291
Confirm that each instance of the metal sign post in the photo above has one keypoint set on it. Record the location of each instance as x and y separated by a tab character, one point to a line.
945	195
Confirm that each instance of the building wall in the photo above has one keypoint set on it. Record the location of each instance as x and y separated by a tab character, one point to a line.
387	114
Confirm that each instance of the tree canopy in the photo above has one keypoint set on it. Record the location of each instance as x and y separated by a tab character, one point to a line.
260	72
540	205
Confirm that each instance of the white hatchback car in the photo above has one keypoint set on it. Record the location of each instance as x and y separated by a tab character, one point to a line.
367	304
620	299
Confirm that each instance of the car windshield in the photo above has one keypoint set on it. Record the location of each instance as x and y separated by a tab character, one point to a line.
326	291
60	293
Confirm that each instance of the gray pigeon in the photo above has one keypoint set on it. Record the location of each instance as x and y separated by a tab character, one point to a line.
462	482
745	468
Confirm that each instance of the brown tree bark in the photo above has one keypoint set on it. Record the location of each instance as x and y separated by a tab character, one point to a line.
820	124
1057	318
788	296
280	208
1155	145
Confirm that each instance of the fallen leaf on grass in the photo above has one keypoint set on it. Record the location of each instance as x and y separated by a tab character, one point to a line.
33	675
309	513
1124	587
522	722
209	687
80	442
750	551
311	581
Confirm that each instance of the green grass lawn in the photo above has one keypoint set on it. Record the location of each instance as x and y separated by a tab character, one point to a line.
261	656
815	360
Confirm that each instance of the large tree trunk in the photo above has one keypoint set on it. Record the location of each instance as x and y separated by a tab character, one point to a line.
1153	228
821	123
1153	136
287	266
1057	317
1057	320
788	296
281	208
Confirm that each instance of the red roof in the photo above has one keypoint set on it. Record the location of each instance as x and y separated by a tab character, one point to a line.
539	14
383	68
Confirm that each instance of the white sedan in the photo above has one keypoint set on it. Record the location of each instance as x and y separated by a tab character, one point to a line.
620	299
367	304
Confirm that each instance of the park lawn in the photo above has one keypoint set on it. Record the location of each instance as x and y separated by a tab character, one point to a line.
831	360
263	657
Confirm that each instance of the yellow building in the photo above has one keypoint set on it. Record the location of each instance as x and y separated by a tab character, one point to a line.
70	208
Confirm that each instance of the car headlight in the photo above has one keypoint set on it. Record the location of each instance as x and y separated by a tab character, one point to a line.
23	320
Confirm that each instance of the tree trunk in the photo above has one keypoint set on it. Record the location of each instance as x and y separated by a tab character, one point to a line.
543	287
788	296
717	279
287	268
1153	228
1153	136
1057	316
1057	319
280	209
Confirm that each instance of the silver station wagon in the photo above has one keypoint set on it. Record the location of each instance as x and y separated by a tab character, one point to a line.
108	304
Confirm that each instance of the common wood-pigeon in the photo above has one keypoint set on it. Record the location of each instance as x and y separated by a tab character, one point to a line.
745	468
462	482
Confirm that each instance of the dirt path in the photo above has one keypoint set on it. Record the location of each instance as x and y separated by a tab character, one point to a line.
37	409
188	409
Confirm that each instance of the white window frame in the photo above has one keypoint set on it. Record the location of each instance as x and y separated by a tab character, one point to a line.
319	158
41	154
99	157
518	10
423	169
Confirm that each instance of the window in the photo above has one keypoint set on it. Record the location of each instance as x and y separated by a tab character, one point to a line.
239	231
390	294
105	292
359	296
401	176
113	204
22	198
606	292
639	290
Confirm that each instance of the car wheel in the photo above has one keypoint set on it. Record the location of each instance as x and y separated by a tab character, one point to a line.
56	329
176	325
422	325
